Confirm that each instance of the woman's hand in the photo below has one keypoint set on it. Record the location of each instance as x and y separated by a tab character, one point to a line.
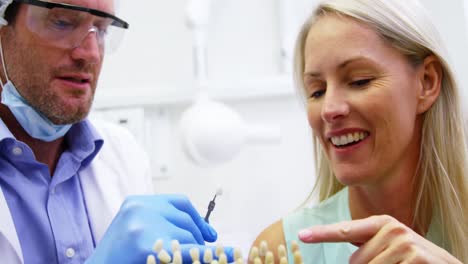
381	239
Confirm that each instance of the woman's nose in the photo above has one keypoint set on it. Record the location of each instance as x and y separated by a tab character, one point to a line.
335	106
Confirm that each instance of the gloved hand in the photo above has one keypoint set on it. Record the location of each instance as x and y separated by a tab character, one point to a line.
142	220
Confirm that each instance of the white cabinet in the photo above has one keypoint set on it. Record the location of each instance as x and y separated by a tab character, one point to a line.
131	118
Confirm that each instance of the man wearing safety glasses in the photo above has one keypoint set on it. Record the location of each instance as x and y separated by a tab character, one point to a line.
62	178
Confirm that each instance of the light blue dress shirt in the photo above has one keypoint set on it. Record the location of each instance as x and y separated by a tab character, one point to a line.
49	213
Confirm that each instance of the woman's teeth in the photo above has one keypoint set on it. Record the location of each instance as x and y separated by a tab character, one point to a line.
348	138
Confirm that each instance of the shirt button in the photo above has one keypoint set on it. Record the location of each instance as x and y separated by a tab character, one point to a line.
17	151
70	252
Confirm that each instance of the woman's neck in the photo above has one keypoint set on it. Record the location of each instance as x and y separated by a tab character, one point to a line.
367	201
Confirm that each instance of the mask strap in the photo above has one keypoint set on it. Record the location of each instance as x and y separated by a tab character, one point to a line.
3	64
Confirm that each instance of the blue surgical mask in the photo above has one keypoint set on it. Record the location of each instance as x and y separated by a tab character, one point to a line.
34	123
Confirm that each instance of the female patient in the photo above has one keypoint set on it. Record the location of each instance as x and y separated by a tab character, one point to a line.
389	138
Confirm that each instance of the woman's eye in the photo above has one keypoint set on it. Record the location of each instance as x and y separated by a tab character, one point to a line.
317	94
361	82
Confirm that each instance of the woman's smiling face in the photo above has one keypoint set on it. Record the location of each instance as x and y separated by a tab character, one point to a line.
362	101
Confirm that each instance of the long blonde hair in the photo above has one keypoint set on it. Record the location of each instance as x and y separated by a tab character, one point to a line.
441	189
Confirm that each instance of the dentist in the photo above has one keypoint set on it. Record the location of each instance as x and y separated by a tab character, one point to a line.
73	191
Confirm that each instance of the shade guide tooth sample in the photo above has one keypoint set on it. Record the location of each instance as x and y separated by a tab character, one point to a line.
208	256
163	256
222	258
253	253
257	260
175	245
269	258
297	257
283	260
281	251
294	246
263	248
158	245
219	250
177	257
195	254
150	259
239	261
237	254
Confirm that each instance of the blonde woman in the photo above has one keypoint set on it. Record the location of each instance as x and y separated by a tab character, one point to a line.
384	108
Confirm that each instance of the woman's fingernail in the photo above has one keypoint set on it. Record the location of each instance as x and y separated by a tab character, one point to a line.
305	234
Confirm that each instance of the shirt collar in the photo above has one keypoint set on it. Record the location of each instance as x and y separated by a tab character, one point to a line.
83	140
4	131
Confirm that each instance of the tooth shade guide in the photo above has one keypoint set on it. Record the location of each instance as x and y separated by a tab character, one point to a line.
177	258
253	253
222	258
257	260
239	261
298	257
150	259
283	260
164	257
263	248
269	258
208	256
294	246
219	250
158	246
195	254
254	256
281	251
175	245
237	253
281	257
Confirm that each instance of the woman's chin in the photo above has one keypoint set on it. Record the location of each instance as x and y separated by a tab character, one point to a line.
350	179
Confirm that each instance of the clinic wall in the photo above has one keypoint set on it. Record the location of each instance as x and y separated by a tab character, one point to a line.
451	20
153	72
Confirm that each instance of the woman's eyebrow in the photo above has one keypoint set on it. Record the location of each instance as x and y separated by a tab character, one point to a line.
312	74
340	66
351	60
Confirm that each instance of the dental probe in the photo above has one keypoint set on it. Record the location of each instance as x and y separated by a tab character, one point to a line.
212	204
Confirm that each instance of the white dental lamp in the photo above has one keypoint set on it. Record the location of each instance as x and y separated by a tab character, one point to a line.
213	133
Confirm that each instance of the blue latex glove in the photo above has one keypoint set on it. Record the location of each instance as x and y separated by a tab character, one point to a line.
142	220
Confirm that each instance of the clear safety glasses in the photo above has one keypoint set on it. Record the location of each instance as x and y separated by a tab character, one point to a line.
66	26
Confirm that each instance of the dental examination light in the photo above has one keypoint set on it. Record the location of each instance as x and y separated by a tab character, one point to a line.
213	133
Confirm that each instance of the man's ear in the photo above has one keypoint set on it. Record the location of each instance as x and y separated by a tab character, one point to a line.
431	80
